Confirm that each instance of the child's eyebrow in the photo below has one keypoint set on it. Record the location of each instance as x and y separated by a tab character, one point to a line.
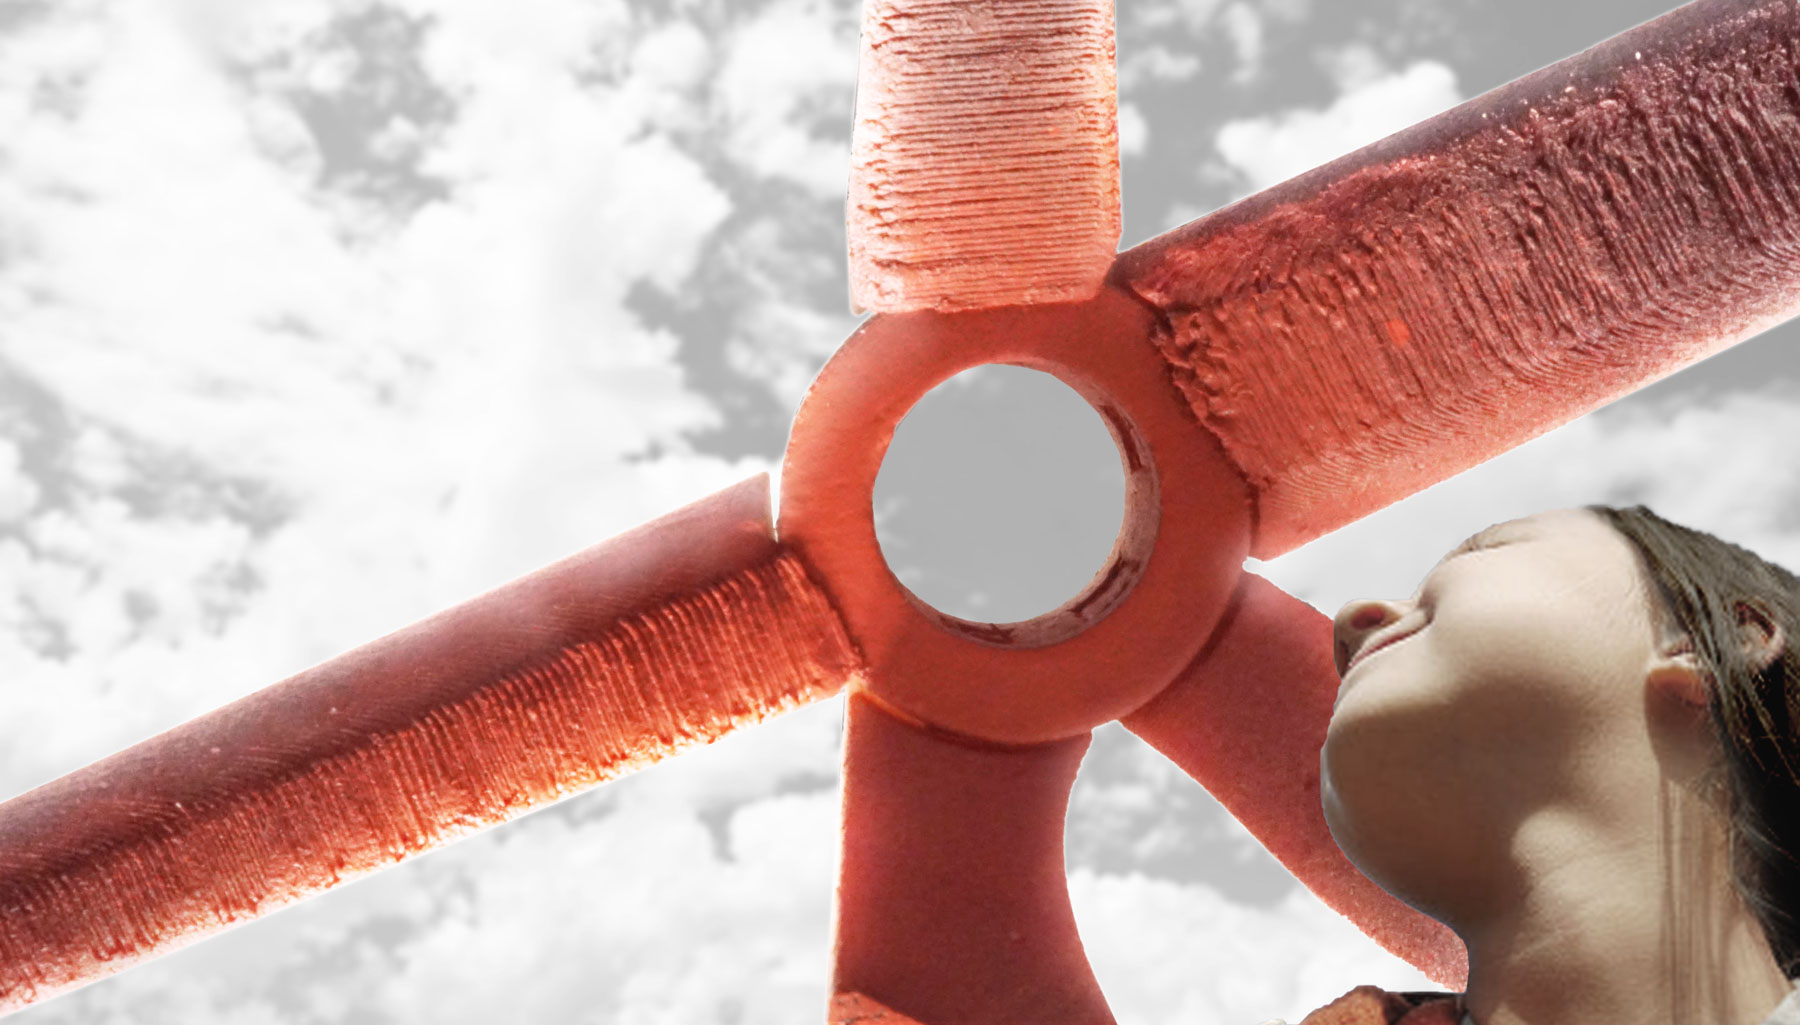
1478	540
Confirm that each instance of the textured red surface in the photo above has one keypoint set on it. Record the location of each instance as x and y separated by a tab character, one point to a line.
985	166
1102	653
953	900
963	738
669	635
1422	305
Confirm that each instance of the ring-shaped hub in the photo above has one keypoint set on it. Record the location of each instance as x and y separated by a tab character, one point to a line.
1098	656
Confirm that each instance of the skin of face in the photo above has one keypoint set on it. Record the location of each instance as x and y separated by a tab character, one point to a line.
1522	667
1516	671
1499	769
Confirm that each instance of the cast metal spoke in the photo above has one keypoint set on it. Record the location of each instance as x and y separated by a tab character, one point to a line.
1271	372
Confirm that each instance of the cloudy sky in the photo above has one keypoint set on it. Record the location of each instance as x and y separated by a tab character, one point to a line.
318	317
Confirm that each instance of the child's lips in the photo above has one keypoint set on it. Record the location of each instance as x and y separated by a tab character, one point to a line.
1371	649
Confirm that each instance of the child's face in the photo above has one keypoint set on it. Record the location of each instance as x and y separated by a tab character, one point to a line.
1518	673
1525	602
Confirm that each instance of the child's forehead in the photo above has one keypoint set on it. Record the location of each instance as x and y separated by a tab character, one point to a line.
1572	526
1495	533
1547	521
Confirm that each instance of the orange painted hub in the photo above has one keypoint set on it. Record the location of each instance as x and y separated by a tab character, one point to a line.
1140	620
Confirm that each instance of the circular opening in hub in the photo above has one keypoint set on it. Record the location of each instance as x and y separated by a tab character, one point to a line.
1000	496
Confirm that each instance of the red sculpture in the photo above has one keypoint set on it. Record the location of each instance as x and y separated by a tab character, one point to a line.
1270	372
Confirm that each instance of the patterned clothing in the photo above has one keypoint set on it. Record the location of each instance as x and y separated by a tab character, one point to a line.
1372	1005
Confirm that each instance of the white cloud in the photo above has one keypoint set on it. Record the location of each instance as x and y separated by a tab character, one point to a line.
1134	131
634	918
174	257
1353	66
503	52
1168	953
435	407
1154	63
18	493
675	55
1197	14
1245	29
786	55
1267	150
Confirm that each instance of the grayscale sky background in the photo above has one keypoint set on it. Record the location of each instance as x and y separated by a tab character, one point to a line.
318	317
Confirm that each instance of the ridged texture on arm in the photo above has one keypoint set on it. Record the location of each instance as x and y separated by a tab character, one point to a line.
1425	304
985	154
670	635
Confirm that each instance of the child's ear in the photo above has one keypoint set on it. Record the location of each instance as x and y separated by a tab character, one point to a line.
1676	671
1763	638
